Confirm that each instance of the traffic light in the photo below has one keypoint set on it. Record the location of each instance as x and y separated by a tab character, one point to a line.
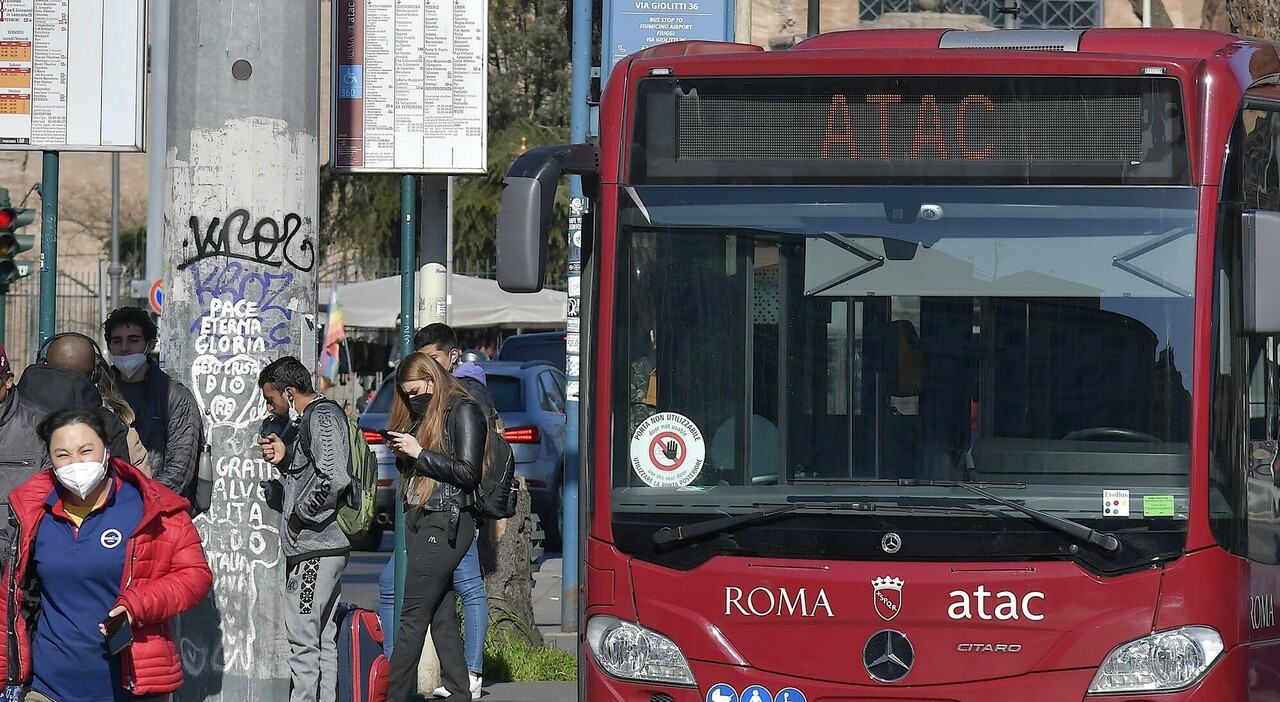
13	243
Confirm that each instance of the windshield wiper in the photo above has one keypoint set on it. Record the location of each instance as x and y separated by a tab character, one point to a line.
667	536
1076	530
904	482
1107	542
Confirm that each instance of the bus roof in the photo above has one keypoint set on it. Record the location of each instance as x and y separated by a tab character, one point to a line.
1133	44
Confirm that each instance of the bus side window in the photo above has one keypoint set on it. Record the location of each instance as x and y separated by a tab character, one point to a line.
1261	184
1259	175
1262	485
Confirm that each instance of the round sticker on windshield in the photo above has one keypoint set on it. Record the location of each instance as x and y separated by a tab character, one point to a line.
668	451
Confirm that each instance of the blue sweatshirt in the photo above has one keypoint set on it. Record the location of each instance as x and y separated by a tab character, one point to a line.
80	572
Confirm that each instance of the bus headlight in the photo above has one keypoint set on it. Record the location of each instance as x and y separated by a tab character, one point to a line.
632	652
1166	660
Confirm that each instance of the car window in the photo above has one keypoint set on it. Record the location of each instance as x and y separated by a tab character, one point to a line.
381	403
560	391
548	394
506	393
550	350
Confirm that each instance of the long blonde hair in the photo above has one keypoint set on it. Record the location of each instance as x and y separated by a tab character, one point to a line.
111	396
446	390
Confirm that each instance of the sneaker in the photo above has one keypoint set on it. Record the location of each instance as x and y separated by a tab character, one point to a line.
476	683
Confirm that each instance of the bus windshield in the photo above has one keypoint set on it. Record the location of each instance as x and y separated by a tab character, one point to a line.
826	344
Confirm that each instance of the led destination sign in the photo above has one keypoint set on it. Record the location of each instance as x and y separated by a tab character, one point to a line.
971	129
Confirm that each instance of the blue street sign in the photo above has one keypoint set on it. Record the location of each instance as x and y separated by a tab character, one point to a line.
351	82
156	296
633	25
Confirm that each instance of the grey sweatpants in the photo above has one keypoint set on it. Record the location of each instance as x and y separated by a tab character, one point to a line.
311	598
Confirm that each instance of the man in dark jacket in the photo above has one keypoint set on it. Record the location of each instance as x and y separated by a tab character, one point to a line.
168	418
62	380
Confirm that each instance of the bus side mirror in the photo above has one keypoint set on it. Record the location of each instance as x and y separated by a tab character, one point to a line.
1261	249
528	201
522	242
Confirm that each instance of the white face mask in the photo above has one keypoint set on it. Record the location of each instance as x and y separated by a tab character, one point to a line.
293	413
129	363
81	478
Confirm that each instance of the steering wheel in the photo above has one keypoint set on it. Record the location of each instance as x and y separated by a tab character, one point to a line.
1110	434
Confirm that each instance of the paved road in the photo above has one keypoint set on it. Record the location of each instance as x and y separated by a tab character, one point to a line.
360	587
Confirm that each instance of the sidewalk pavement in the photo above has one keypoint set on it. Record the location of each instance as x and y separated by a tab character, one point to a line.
546	605
360	586
546	615
530	692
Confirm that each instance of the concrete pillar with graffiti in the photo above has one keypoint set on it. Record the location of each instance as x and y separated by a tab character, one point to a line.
240	257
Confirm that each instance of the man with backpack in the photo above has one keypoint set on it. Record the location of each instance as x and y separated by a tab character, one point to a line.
166	414
315	481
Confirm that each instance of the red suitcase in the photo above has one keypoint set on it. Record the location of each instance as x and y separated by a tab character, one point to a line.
363	670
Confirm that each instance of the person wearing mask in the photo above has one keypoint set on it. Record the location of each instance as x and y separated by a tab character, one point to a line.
167	417
438	434
313	473
99	544
440	342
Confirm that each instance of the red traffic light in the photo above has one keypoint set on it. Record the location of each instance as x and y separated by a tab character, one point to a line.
8	217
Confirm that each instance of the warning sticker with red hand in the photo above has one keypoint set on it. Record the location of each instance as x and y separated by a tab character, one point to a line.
667	450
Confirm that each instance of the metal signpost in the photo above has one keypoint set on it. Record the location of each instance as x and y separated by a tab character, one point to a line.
71	79
409	96
629	26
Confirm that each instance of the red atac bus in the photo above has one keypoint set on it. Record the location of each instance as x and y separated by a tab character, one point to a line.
928	365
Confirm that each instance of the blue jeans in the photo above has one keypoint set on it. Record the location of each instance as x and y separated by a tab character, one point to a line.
469	585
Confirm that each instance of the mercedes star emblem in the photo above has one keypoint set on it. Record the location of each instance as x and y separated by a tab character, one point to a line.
891	543
888	656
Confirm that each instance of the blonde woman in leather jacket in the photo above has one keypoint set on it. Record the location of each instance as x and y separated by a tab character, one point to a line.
438	434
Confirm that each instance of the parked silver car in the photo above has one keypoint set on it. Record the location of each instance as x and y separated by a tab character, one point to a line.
530	399
373	420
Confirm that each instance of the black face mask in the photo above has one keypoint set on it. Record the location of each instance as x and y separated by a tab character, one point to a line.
418	403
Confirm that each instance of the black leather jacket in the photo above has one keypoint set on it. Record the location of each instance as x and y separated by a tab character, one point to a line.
458	467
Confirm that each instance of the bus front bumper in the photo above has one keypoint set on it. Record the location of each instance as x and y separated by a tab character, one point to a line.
1230	680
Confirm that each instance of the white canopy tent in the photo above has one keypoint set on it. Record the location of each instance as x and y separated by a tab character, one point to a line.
476	302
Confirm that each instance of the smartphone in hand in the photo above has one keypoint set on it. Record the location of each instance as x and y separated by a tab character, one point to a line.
119	633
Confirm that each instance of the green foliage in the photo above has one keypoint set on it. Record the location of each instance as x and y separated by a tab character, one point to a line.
476	201
517	661
529	63
358	215
133	250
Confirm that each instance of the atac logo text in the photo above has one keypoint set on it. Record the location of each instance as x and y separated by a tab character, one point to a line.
1001	606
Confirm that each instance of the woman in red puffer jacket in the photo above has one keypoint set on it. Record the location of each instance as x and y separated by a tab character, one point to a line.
96	540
